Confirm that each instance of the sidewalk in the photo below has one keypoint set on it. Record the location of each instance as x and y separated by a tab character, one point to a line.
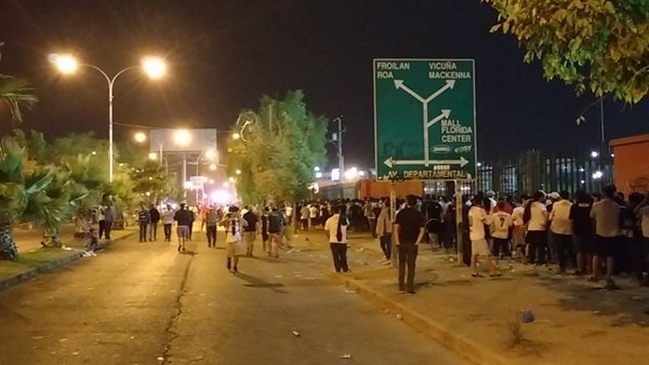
575	322
34	259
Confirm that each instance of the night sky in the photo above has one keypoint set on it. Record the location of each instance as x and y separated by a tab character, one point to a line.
223	55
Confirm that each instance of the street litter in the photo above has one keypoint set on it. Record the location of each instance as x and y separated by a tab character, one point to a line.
399	317
528	316
296	333
160	358
349	291
346	356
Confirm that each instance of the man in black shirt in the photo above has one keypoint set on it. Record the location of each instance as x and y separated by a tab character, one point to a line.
409	231
185	219
250	231
582	233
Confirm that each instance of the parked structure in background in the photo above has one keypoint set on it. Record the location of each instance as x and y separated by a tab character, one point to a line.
631	161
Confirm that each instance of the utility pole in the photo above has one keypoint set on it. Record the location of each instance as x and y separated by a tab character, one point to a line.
341	158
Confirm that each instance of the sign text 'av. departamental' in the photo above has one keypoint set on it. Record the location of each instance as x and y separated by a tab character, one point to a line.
424	115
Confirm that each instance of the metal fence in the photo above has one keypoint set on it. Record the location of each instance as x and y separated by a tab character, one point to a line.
534	170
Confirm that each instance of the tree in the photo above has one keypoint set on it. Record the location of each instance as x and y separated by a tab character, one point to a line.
602	46
16	94
278	149
21	187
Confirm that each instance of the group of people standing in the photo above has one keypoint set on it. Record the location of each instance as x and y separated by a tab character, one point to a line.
592	233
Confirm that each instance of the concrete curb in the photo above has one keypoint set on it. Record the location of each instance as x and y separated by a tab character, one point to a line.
52	265
467	348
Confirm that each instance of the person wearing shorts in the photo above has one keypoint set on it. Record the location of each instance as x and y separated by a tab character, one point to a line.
501	222
478	218
605	214
519	232
184	218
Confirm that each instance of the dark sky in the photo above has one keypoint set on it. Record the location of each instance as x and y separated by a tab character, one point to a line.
224	55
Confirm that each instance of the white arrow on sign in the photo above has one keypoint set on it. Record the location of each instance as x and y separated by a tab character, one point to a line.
445	114
390	162
400	85
449	85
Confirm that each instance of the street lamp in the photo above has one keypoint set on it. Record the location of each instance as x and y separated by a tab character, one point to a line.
139	137
236	136
153	156
67	64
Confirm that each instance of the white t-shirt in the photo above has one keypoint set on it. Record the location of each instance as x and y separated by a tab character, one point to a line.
538	217
331	225
517	216
501	221
313	212
168	217
560	217
477	219
606	214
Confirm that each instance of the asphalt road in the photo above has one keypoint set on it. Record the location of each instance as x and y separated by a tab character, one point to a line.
143	303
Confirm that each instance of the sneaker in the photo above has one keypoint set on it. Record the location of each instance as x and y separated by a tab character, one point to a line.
610	285
402	292
235	270
476	275
592	279
179	248
495	275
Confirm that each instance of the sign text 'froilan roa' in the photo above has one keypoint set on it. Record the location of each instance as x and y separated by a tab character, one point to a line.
424	115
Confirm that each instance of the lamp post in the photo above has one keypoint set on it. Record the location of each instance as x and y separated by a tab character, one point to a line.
153	67
604	152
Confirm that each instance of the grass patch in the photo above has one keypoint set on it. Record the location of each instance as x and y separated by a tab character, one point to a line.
32	260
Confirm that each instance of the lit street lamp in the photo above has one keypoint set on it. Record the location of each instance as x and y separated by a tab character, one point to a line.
139	137
154	67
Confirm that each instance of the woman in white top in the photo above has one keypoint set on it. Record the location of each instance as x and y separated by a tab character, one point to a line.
536	218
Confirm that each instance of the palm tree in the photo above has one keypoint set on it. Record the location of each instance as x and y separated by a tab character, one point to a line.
21	187
16	94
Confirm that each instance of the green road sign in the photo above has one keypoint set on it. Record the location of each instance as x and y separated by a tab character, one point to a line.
424	119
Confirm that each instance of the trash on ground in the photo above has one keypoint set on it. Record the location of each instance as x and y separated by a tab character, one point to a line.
349	291
399	316
296	333
160	358
528	316
346	356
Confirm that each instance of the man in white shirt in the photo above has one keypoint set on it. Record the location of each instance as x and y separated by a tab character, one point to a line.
519	231
606	216
336	228
536	217
168	221
561	229
479	247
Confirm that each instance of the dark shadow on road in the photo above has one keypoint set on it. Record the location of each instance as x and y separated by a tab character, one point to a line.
254	282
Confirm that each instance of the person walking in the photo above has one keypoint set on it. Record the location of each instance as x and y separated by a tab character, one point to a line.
336	228
409	230
606	216
144	219
153	225
211	222
384	231
109	219
184	218
168	221
275	226
250	231
233	234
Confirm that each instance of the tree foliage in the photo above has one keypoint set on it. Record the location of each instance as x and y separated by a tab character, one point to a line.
596	45
280	145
